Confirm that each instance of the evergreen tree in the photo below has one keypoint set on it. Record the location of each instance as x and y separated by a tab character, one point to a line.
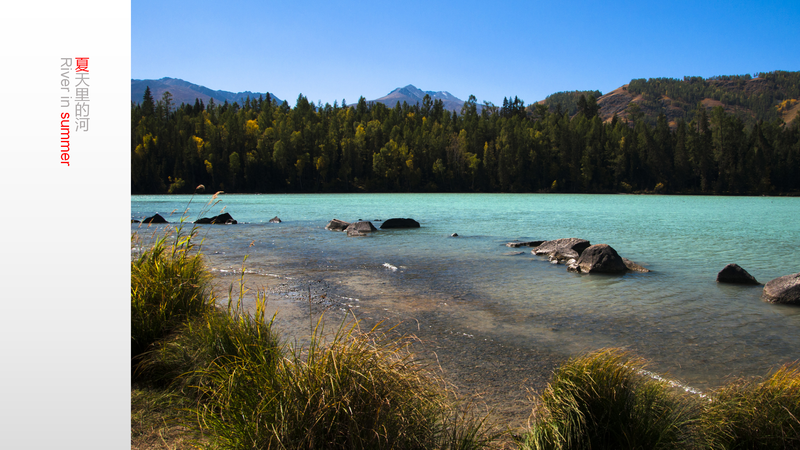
148	105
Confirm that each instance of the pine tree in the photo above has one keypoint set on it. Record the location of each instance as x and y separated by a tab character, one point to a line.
148	105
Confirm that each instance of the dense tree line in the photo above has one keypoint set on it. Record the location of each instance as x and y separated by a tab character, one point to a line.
262	146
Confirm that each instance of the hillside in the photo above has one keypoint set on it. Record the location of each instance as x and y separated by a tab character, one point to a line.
765	97
186	92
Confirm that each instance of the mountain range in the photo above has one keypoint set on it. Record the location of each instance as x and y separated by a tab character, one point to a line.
186	92
766	96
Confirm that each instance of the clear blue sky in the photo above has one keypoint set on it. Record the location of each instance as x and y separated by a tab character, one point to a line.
329	50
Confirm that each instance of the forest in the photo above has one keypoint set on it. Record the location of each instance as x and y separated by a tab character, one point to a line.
265	147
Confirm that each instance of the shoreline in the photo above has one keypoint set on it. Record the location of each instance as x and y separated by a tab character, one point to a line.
498	376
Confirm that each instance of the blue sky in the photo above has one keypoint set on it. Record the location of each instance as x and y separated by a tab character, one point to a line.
333	50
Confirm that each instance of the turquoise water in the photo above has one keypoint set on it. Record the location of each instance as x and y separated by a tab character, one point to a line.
676	316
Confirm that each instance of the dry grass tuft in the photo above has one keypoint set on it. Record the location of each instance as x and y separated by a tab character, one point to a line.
748	414
605	400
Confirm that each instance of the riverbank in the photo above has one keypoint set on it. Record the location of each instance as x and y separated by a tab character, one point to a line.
499	375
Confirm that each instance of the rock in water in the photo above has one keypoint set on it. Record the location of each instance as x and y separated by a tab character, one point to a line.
784	290
733	273
360	228
563	246
275	220
223	218
400	223
154	219
337	225
601	258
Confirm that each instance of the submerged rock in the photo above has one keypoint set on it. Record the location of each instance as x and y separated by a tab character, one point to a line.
400	223
785	289
337	225
601	258
733	273
222	219
154	219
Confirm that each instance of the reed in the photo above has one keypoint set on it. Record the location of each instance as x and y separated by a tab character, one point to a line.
604	400
750	414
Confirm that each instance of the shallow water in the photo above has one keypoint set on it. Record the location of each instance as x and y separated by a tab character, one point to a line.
677	316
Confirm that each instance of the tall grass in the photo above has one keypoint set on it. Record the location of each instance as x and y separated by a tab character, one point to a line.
749	414
605	400
358	391
181	360
169	285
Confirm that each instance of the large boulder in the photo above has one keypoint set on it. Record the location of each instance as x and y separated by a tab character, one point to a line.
785	290
223	218
337	225
360	228
733	273
601	258
400	223
569	247
154	219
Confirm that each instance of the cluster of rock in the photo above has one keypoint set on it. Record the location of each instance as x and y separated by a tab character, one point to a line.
222	219
581	256
784	290
363	227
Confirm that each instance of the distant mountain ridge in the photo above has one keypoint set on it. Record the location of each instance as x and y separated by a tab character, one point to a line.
186	92
766	96
413	95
